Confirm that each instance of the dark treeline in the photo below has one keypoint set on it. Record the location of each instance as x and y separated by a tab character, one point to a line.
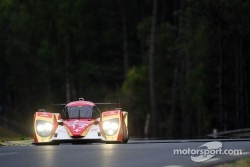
181	63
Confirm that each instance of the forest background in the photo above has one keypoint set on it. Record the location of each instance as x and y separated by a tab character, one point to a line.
181	64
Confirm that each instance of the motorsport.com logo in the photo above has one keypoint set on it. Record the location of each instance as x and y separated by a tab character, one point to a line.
207	151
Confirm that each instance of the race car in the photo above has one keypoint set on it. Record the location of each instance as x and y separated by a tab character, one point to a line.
81	122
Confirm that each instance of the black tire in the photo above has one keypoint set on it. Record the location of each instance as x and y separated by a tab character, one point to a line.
124	141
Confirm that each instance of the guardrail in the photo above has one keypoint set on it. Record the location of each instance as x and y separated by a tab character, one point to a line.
237	133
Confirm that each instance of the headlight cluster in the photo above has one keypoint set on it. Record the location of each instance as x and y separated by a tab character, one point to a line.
43	128
110	127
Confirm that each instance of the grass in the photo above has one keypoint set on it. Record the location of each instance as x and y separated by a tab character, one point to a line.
245	162
6	134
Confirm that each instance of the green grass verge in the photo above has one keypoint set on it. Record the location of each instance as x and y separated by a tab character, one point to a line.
6	134
245	162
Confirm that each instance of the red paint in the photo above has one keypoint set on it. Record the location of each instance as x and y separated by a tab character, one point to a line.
55	125
78	126
110	113
81	103
119	137
44	114
59	117
35	137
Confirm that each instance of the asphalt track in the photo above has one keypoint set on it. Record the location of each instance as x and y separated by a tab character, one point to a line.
137	153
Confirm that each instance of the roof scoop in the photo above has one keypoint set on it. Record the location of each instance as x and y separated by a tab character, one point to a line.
81	99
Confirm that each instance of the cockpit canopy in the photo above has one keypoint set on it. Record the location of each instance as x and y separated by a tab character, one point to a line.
81	112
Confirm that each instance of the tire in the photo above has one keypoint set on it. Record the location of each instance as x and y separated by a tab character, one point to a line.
124	141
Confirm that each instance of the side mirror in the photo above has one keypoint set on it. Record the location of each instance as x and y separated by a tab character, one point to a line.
96	122
60	122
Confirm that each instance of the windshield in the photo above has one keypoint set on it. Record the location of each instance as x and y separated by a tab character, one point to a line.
77	112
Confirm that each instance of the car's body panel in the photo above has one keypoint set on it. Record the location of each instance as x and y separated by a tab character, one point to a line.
111	126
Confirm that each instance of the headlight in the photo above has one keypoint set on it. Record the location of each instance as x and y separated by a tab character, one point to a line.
43	128
110	127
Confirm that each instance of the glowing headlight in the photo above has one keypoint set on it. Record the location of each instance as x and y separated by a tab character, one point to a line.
110	127
114	125
40	128
106	125
48	126
43	128
110	132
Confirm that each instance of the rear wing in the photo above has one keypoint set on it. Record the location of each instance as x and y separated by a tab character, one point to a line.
102	105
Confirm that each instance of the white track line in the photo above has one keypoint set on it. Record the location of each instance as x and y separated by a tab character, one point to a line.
10	153
211	160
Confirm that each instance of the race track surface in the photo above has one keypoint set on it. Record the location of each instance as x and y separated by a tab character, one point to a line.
154	153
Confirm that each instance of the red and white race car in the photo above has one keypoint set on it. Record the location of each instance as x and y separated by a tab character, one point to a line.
81	122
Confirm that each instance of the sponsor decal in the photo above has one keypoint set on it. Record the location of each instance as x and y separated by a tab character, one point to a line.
44	114
77	126
94	130
109	113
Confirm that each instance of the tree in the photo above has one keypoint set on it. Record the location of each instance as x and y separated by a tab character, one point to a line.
125	35
153	109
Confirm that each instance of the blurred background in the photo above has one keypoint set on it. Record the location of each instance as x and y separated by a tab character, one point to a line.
179	67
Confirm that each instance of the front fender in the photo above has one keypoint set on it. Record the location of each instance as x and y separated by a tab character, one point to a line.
115	116
47	118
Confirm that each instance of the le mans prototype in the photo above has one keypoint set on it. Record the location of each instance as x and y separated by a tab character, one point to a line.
81	122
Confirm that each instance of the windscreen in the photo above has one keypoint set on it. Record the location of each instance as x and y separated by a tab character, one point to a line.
81	112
